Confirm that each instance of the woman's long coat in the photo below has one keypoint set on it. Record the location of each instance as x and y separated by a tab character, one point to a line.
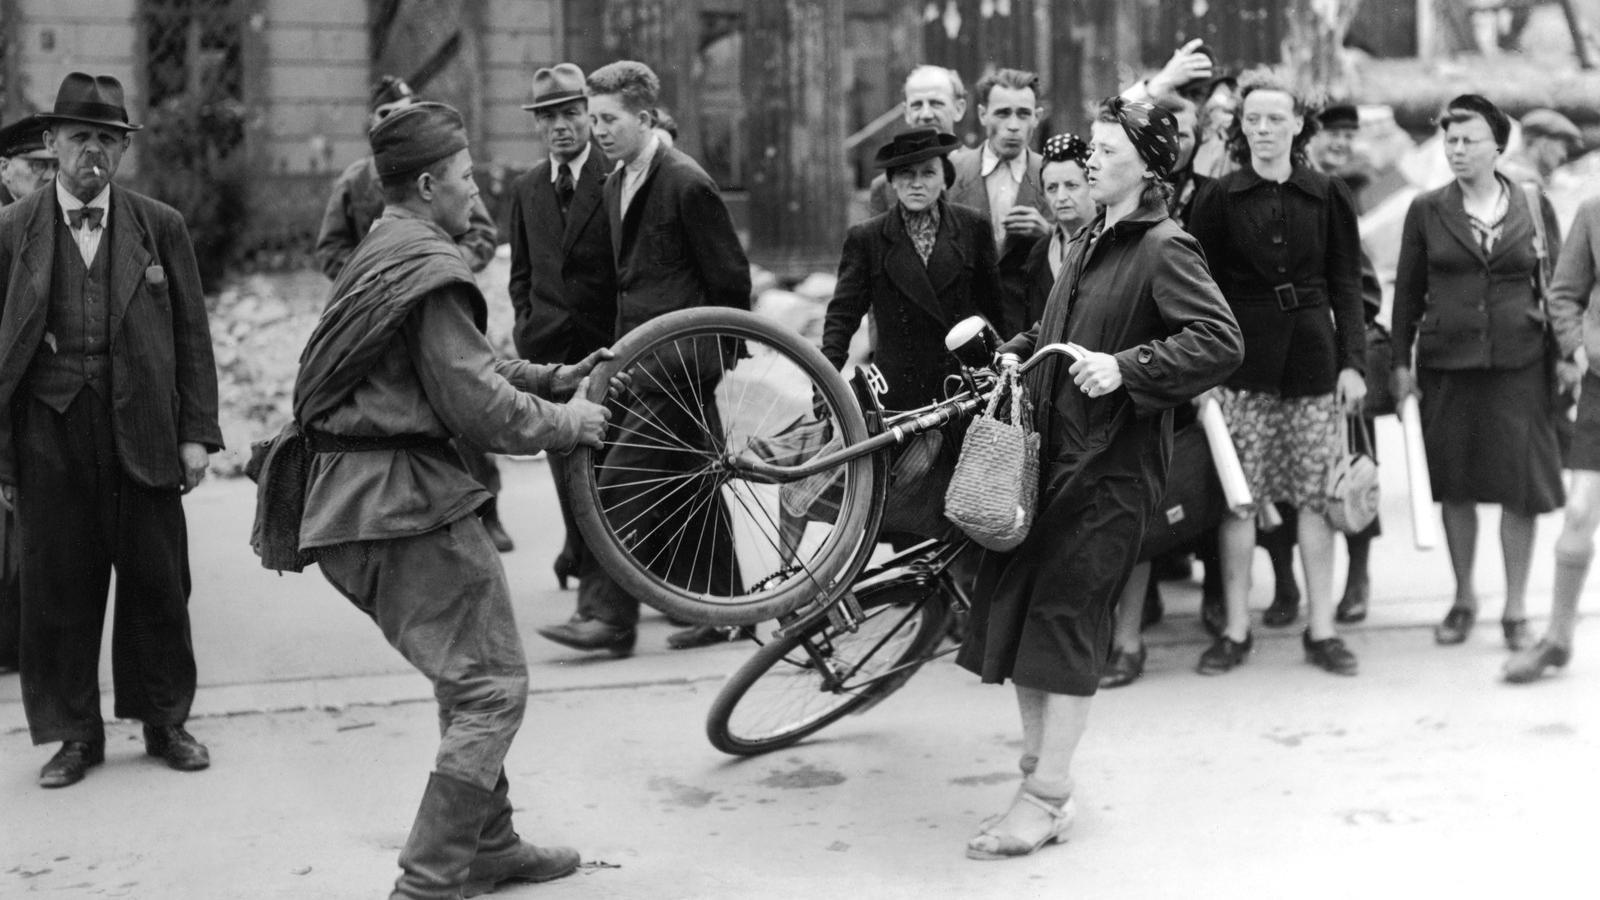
914	304
1141	292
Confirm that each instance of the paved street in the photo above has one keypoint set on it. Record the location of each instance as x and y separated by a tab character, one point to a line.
1421	777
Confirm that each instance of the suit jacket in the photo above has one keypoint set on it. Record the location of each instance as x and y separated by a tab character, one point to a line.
357	202
1465	309
914	305
970	190
676	247
163	377
563	277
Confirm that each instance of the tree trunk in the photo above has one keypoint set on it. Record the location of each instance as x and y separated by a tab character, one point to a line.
1314	36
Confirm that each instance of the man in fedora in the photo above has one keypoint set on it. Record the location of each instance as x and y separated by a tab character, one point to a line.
356	203
563	280
26	164
395	367
675	248
108	411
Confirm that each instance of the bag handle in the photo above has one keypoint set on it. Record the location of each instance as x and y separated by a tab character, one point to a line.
1357	440
1010	383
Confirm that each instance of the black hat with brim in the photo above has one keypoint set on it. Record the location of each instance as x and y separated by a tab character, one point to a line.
24	138
92	99
914	146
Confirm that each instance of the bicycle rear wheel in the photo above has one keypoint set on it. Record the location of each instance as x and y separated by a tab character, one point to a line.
666	511
798	685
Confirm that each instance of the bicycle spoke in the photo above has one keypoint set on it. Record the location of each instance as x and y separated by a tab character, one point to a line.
653	507
694	391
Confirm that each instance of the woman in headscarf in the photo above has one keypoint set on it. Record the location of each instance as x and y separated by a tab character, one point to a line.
1282	242
1464	292
1065	176
1134	291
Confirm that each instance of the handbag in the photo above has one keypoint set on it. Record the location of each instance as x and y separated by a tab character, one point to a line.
1193	503
995	488
1352	489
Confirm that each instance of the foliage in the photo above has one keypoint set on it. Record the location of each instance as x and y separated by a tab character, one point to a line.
192	158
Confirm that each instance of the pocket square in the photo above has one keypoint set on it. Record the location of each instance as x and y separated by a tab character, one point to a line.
155	275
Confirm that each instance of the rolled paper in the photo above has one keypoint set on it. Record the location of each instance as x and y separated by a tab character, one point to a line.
1235	487
1424	525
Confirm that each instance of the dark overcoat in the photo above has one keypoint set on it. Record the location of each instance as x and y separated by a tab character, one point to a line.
563	279
1141	292
913	304
162	371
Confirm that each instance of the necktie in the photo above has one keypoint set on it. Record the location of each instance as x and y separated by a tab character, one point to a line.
88	215
565	188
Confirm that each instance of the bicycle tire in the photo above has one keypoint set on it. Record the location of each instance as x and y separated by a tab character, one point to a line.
707	577
779	696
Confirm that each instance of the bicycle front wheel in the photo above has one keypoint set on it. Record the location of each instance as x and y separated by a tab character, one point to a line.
664	506
797	685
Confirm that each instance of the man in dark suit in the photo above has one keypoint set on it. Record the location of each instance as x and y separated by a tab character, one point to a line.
1000	178
357	202
109	395
26	165
563	279
675	248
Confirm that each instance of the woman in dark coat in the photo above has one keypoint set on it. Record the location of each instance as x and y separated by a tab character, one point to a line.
1282	242
1135	292
1464	293
1065	176
919	268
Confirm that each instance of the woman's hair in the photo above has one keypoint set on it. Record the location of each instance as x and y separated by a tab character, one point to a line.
1156	191
1265	79
1465	107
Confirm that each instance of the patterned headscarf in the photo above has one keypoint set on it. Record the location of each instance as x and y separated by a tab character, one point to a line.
1067	148
1153	131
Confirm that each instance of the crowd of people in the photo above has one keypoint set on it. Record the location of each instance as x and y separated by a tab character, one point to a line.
1197	236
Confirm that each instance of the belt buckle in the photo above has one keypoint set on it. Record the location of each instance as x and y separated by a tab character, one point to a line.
1288	300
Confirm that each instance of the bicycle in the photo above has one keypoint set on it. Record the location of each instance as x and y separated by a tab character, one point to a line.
742	480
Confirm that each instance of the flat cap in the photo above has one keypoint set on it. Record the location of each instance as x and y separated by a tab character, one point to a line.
24	138
1550	123
416	137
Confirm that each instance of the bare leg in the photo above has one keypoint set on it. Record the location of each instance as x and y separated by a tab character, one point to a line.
1130	610
1031	704
1236	542
1316	557
1574	550
1461	536
1516	544
1064	720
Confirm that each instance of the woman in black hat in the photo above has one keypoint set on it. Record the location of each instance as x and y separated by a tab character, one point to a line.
1135	292
1464	291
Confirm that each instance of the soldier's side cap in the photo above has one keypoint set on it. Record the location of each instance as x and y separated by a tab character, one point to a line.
24	139
415	137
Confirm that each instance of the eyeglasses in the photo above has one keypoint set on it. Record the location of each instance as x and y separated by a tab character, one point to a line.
1465	143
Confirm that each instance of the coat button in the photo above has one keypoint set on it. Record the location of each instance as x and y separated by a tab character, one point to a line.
1145	356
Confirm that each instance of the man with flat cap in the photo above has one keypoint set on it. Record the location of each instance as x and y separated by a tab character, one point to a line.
108	411
356	203
1549	139
563	280
26	165
396	367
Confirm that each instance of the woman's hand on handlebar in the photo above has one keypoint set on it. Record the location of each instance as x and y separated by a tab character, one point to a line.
1097	374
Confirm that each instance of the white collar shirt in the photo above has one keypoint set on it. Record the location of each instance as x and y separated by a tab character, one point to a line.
575	165
1003	180
633	172
87	239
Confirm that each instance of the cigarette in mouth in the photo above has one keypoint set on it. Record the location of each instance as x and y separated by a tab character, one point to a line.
97	172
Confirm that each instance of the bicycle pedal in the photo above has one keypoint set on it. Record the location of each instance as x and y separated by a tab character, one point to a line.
846	615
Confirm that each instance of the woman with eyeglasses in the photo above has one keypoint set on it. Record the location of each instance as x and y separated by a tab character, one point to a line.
1134	292
1282	242
1464	294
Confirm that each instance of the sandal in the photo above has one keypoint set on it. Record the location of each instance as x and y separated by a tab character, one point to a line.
989	844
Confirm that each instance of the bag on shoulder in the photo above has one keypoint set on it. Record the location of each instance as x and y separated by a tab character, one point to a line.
995	488
279	466
1352	492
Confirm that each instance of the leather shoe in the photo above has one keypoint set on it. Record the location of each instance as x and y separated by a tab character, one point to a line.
521	862
497	534
1352	606
1455	628
583	633
704	636
1224	654
1329	654
177	746
1529	665
1517	634
71	763
1123	668
1285	606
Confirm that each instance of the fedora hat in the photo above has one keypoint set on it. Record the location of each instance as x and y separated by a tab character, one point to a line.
95	99
560	83
914	146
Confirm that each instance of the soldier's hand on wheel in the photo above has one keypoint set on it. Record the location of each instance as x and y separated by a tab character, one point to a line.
567	378
195	460
591	417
